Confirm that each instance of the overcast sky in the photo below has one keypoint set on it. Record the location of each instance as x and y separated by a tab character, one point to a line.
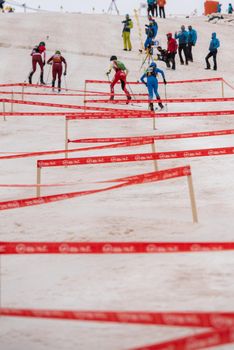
124	6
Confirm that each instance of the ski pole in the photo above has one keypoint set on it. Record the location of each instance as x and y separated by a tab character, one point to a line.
131	91
65	81
165	90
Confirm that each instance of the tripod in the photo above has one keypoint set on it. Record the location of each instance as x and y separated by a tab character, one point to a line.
148	56
112	7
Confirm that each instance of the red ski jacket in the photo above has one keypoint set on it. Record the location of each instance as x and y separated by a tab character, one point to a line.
171	45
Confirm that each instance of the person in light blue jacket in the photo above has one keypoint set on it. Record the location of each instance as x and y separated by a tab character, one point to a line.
192	39
152	83
182	37
230	9
213	50
219	8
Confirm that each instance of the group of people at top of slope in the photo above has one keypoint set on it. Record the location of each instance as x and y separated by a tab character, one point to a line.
186	41
229	9
39	58
157	7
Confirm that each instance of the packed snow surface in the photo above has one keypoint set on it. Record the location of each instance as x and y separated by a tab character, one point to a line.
150	212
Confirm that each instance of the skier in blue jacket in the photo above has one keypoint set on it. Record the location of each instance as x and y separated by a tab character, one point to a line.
192	39
182	36
213	48
152	83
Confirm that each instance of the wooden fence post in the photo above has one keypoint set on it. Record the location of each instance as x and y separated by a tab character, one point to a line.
192	198
154	151
38	191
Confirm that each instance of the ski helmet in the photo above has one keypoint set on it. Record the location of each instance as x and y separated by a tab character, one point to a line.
113	58
153	64
42	43
57	52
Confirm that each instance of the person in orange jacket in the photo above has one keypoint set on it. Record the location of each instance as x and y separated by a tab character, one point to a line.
161	5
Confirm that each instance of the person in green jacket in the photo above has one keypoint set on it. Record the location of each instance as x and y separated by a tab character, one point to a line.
128	25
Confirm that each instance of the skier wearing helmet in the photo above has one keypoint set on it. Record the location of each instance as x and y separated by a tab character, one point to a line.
57	68
152	83
121	73
36	59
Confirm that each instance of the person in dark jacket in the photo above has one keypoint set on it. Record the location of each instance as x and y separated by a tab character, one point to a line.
182	36
213	50
2	2
192	39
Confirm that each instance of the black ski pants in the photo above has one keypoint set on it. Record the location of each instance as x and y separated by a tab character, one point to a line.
171	59
162	11
214	55
156	9
151	9
189	51
183	47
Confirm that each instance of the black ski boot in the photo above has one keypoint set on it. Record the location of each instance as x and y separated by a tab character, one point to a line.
30	78
53	82
151	106
59	86
128	99
160	103
41	79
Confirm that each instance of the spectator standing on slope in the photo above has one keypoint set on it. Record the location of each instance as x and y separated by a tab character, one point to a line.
128	25
151	74
161	5
151	7
182	36
36	59
57	61
219	8
213	48
192	39
171	51
230	9
121	73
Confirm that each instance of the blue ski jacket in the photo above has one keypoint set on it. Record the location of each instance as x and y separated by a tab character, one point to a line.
152	72
214	43
182	36
192	36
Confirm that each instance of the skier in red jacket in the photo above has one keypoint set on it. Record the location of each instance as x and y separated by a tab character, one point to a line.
36	59
57	68
171	50
121	73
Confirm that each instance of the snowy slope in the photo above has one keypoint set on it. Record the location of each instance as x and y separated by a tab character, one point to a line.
156	212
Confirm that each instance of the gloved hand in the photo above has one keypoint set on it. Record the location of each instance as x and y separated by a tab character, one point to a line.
107	73
43	63
65	73
145	84
165	82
